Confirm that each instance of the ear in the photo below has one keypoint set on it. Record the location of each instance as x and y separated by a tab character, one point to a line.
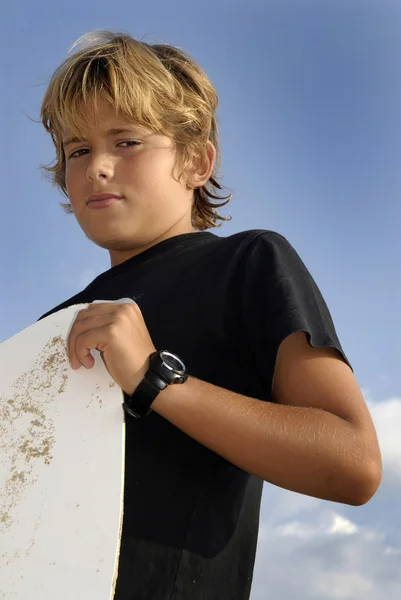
201	167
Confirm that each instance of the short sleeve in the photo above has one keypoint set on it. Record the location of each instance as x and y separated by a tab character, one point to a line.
280	297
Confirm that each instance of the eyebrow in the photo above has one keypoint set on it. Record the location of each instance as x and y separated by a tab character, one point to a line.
110	132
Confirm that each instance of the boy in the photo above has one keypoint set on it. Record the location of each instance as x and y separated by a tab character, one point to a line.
253	385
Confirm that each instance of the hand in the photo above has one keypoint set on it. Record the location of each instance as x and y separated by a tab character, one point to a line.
119	332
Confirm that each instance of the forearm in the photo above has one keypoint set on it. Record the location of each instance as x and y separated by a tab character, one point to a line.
305	450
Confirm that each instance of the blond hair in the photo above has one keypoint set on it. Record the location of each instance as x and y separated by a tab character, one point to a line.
155	85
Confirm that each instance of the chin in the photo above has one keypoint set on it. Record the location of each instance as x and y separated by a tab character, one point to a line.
114	239
117	245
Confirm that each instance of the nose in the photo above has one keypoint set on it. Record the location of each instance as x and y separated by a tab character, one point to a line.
99	166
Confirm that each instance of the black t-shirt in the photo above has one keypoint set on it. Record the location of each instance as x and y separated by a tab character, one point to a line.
223	305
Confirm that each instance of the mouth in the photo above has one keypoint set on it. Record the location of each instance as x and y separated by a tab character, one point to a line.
97	201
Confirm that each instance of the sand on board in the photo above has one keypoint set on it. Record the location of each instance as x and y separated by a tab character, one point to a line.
62	442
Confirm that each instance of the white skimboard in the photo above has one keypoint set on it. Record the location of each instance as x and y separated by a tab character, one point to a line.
62	442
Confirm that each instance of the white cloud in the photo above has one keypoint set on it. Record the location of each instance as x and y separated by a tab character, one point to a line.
309	549
342	526
334	524
387	418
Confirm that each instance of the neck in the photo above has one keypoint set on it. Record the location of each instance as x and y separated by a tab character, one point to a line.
117	257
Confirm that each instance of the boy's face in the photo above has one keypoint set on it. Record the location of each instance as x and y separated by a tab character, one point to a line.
136	165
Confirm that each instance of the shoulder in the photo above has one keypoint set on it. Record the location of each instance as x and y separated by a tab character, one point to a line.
262	252
252	237
263	242
257	244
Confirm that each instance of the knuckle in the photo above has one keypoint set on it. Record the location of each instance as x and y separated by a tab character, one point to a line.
120	319
125	313
77	341
134	308
113	329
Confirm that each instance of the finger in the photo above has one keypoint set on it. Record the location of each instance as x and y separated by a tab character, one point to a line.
114	306
101	307
75	329
84	322
119	301
91	339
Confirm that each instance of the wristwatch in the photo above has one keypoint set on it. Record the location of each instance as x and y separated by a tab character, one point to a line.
164	369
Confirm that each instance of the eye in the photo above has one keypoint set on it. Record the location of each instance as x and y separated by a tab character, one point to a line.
76	153
130	143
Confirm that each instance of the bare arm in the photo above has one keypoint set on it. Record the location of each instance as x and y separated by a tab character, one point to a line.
317	440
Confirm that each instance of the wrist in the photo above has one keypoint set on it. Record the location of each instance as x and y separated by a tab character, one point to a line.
164	370
130	389
168	397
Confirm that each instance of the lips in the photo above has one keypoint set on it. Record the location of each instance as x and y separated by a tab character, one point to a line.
103	200
103	196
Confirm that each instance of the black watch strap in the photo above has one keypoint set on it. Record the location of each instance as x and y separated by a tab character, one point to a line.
138	405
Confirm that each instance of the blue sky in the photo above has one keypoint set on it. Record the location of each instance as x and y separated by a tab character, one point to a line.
309	117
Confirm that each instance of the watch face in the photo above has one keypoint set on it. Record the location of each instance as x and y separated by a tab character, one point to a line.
172	362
